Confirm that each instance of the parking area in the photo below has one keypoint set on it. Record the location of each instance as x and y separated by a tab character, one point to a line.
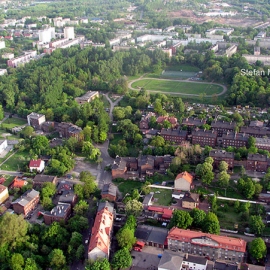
147	259
33	215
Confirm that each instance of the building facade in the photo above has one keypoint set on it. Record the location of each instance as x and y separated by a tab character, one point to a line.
204	137
222	155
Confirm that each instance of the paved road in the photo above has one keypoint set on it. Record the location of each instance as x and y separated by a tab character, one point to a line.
10	173
224	88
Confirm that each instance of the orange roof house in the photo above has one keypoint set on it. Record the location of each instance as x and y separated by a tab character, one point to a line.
183	181
17	183
217	246
99	246
166	213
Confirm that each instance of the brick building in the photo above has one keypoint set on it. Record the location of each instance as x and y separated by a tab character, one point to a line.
35	120
190	200
256	132
192	123
257	162
61	212
67	130
109	192
26	203
207	245
170	119
234	139
204	137
40	179
222	155
263	143
174	135
222	127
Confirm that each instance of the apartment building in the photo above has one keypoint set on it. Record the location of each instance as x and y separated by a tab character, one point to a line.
234	139
36	120
222	127
59	213
222	155
204	137
257	162
263	143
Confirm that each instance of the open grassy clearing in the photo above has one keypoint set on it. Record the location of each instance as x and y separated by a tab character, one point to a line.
13	122
128	186
9	179
163	198
178	86
17	162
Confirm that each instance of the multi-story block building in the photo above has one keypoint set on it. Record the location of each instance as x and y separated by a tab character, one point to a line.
88	97
257	162
222	155
174	135
109	192
263	143
40	179
35	120
204	137
3	194
257	132
61	212
26	203
67	130
192	123
207	245
235	139
222	127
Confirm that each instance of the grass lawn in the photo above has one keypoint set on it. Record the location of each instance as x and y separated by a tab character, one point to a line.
177	86
13	122
9	179
164	197
16	162
183	67
116	138
128	186
228	219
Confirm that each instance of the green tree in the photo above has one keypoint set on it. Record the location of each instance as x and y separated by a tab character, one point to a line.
121	259
2	114
134	207
30	264
48	189
135	194
257	248
40	143
101	264
126	238
27	132
13	230
57	259
198	217
251	142
79	191
158	141
78	223
81	208
223	166
17	262
223	179
256	225
209	160
211	224
181	219
79	255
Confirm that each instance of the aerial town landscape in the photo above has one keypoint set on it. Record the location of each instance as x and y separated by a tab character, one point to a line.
135	135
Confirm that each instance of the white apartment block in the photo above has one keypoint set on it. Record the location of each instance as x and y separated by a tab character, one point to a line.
3	72
69	32
46	35
2	44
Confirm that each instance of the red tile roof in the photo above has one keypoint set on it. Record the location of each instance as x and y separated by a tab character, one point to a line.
2	180
18	183
101	231
171	119
187	176
223	242
166	212
35	163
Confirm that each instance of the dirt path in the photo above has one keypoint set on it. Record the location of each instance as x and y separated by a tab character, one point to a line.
224	88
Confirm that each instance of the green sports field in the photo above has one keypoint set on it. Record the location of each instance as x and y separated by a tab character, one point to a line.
177	86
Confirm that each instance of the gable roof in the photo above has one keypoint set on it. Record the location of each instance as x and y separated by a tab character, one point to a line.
18	183
109	189
171	260
185	175
191	197
35	163
101	232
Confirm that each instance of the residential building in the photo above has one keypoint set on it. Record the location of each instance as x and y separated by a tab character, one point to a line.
145	120
36	165
263	143
257	132
146	165
234	139
3	71
257	162
245	266
174	135
26	203
119	168
61	212
192	123
222	127
190	200
64	186
225	265
207	245
3	145
150	133
108	205
69	32
21	60
152	236
8	55
35	120
256	123
46	35
3	194
222	155
159	212
148	200
109	192
40	179
87	97
183	181
100	240
69	197
204	137
67	130
18	183
171	260
171	120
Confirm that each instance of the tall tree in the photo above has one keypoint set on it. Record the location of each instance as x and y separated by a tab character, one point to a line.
211	224
256	224
57	259
181	219
257	248
121	259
